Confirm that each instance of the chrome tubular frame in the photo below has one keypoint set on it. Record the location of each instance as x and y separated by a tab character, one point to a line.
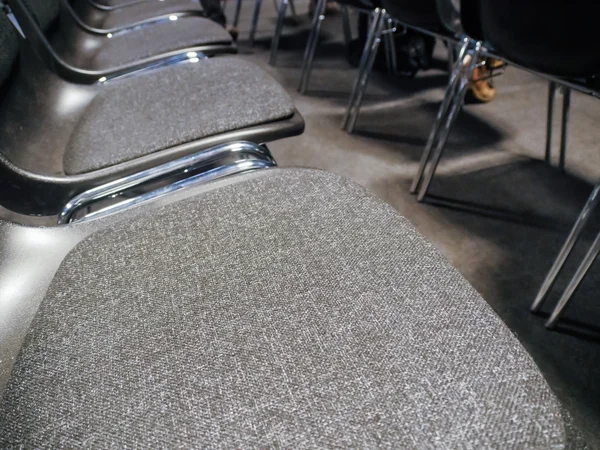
566	107
453	83
311	45
549	120
186	58
313	39
578	277
456	103
254	23
560	260
241	166
262	158
283	4
367	59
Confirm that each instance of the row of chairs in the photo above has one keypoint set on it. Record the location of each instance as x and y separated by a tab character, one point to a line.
207	303
560	48
108	124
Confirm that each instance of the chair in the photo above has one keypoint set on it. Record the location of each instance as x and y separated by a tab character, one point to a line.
60	139
570	55
566	60
252	312
84	57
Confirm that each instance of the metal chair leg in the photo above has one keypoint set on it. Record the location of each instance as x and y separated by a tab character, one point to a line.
346	25
441	115
457	104
311	45
283	4
582	270
238	9
565	124
254	25
566	249
366	74
391	29
549	120
373	34
293	8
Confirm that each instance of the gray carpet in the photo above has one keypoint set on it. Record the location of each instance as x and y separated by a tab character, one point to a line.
493	158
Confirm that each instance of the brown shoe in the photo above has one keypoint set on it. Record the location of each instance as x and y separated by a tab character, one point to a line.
233	31
481	88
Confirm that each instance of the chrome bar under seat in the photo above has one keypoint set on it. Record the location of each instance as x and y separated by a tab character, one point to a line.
262	159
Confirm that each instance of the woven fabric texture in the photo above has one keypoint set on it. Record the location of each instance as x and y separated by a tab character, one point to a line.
157	38
289	310
172	106
44	11
9	47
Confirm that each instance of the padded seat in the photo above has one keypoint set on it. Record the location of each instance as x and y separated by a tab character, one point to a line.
214	96
139	12
127	47
267	312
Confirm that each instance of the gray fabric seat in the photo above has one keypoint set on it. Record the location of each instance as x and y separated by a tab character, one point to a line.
213	96
158	38
122	17
289	309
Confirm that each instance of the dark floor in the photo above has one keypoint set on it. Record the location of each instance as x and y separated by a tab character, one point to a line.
493	159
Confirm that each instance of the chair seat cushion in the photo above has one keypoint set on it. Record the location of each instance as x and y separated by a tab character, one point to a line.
122	17
290	309
138	116
156	38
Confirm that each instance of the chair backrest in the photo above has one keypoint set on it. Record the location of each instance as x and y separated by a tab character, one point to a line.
45	12
470	18
419	13
557	37
9	48
449	12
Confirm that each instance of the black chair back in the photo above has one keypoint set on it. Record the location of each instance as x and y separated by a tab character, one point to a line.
557	37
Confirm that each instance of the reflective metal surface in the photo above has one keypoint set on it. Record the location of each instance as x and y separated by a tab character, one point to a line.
237	167
456	105
566	249
564	127
283	4
378	19
173	167
311	45
582	270
443	111
254	23
549	120
187	58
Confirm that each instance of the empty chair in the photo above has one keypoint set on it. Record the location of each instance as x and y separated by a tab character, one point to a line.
84	56
532	41
59	138
258	312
